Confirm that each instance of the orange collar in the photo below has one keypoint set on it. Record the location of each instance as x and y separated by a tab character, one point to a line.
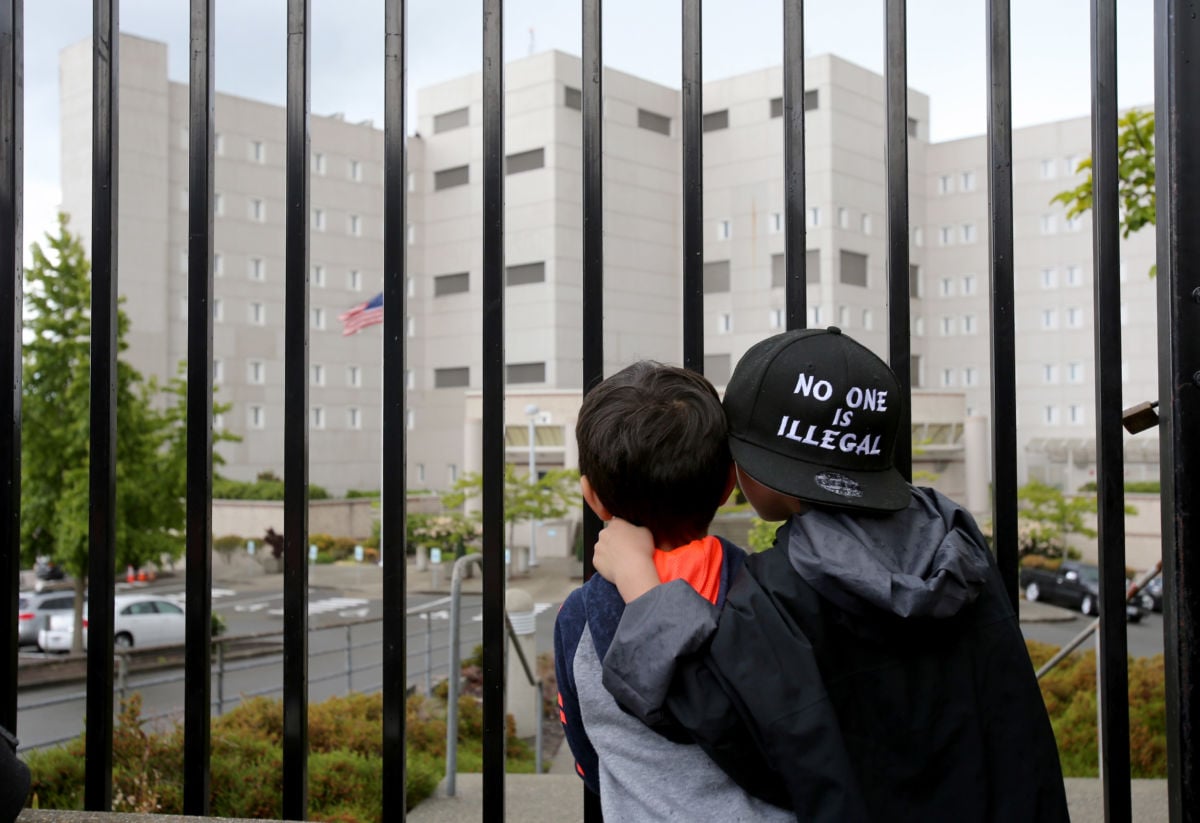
698	562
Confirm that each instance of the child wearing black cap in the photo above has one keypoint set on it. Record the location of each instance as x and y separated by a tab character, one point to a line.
653	449
867	667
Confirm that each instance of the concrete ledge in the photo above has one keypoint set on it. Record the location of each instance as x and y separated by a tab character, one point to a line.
530	798
51	816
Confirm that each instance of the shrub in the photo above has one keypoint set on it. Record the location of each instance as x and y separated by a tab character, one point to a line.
323	542
342	548
353	494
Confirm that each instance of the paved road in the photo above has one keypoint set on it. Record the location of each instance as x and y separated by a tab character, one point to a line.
1145	639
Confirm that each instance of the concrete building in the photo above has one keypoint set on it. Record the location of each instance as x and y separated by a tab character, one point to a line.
743	249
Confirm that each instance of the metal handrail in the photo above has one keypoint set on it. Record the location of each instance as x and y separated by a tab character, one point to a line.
537	685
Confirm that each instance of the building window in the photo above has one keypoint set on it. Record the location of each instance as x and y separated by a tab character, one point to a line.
318	219
914	281
918	236
868	320
218	371
354	170
1049	373
1050	415
724	229
775	318
525	373
256	372
354	377
183	261
1049	318
945	184
318	163
420	472
918	326
1072	164
1074	224
410	286
1123	270
775	222
970	376
1074	275
1048	169
318	276
947	377
410	379
716	276
451	120
410	326
257	209
458	377
946	287
946	235
947	326
914	127
258	151
812	101
814	216
573	98
525	161
1075	372
1074	317
452	473
450	178
1049	224
916	367
355	225
218	264
650	121
1049	278
969	234
316	374
1124	315
853	268
968	324
812	266
523	274
256	417
354	280
967	180
218	310
844	316
968	284
218	422
317	417
318	318
258	314
412	182
445	284
843	217
219	204
866	224
256	269
1076	415
717	368
353	418
715	120
724	323
814	316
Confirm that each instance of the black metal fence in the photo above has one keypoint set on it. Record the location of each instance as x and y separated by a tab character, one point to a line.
1177	64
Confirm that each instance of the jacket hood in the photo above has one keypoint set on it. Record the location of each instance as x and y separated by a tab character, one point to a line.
928	560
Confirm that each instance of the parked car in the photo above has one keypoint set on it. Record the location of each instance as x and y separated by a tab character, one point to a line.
1152	595
1074	585
34	610
141	620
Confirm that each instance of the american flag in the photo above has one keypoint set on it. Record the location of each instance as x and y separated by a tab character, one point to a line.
362	315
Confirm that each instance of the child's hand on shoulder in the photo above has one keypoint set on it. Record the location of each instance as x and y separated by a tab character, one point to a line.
625	557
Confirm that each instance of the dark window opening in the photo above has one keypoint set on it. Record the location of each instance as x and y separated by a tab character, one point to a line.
451	120
449	178
525	373
853	268
716	276
650	121
445	284
716	120
525	161
525	273
454	378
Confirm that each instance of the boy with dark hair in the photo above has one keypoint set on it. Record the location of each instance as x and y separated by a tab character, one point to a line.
653	450
871	657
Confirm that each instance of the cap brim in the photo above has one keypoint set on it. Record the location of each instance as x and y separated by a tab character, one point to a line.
874	491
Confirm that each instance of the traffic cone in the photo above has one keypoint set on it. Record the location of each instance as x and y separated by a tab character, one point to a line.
141	576
129	574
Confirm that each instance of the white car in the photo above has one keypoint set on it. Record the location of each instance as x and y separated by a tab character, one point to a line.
141	620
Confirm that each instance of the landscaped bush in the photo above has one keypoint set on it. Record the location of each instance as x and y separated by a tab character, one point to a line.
345	768
1069	690
266	487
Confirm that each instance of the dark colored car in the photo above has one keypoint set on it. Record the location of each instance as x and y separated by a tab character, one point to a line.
1152	595
1074	585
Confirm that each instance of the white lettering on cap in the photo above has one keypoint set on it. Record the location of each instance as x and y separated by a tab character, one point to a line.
820	389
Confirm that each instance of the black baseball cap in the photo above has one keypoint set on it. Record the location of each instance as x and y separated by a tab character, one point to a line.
815	414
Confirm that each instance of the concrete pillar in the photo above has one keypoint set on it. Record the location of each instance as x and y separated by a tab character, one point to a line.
522	699
975	465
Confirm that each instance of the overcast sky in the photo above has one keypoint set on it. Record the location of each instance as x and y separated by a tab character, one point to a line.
946	56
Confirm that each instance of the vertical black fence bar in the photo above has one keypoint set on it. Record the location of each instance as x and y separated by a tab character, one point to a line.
795	241
693	189
592	84
102	478
295	420
493	411
899	321
395	441
11	153
1110	457
197	654
1000	241
1177	143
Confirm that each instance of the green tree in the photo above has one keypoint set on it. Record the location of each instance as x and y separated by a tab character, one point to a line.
554	494
151	436
1135	173
1046	517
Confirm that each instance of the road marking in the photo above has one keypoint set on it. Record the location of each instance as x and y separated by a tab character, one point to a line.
180	597
328	604
538	608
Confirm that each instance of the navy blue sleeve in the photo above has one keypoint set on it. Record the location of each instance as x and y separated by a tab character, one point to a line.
568	629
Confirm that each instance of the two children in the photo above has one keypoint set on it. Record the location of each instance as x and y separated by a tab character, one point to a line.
867	667
653	448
